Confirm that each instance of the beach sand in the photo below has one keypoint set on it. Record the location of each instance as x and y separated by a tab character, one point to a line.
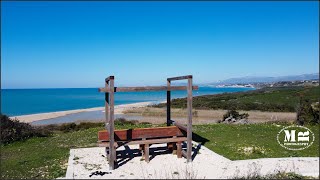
142	113
119	109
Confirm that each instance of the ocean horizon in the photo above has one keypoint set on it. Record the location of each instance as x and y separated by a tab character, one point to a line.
16	102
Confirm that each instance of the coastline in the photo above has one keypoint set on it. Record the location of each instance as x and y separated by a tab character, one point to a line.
118	109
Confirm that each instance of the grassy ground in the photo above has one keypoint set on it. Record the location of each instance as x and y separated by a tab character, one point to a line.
284	99
238	142
46	157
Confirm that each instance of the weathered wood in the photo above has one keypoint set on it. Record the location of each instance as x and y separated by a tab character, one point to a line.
184	153
139	133
189	127
146	152
181	126
157	141
141	147
168	103
179	78
147	88
109	78
179	149
173	135
148	141
106	110
112	158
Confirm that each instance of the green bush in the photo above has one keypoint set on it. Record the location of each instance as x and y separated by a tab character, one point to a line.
123	121
234	114
69	127
284	99
13	130
307	112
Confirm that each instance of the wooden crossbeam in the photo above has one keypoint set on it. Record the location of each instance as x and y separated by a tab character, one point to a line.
147	88
179	78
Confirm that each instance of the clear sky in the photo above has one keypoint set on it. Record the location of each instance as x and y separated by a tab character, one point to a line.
78	44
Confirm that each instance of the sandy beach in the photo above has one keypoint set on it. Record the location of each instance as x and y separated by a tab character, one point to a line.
119	109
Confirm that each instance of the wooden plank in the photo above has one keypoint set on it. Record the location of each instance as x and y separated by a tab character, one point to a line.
181	126
111	127
179	149
148	141
179	78
189	126
158	141
109	78
139	133
147	88
168	103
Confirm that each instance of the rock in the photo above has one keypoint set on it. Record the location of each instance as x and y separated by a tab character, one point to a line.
232	120
242	121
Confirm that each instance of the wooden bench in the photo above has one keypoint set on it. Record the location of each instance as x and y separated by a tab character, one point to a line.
172	135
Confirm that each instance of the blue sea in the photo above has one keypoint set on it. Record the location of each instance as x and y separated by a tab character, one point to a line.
15	102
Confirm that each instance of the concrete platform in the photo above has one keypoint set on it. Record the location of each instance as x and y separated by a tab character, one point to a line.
84	162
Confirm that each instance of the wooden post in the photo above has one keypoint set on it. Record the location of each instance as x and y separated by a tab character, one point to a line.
189	130
106	110
146	152
168	103
179	149
112	153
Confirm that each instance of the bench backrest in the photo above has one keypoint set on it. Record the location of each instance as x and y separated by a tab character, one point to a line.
140	133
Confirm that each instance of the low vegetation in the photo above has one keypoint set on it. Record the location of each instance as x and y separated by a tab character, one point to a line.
281	99
46	157
235	114
251	141
279	175
13	130
42	152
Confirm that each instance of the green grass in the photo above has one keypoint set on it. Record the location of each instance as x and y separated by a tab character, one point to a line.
284	99
231	141
46	157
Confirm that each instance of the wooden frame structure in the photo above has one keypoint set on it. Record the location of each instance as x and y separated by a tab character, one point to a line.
173	133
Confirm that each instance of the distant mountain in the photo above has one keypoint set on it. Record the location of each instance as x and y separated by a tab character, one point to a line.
256	79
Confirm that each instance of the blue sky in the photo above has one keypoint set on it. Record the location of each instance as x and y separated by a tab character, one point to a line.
78	44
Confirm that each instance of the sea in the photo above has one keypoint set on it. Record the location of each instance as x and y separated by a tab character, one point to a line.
16	102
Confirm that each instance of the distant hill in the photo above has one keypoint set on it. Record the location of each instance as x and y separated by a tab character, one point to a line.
256	79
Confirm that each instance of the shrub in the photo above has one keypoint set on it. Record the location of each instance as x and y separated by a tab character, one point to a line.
13	130
69	127
234	114
123	121
307	112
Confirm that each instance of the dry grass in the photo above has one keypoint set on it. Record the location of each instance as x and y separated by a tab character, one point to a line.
210	116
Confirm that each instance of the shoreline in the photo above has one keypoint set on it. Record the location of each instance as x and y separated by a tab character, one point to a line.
118	109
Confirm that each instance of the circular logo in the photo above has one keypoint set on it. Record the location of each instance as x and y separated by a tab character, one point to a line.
295	137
